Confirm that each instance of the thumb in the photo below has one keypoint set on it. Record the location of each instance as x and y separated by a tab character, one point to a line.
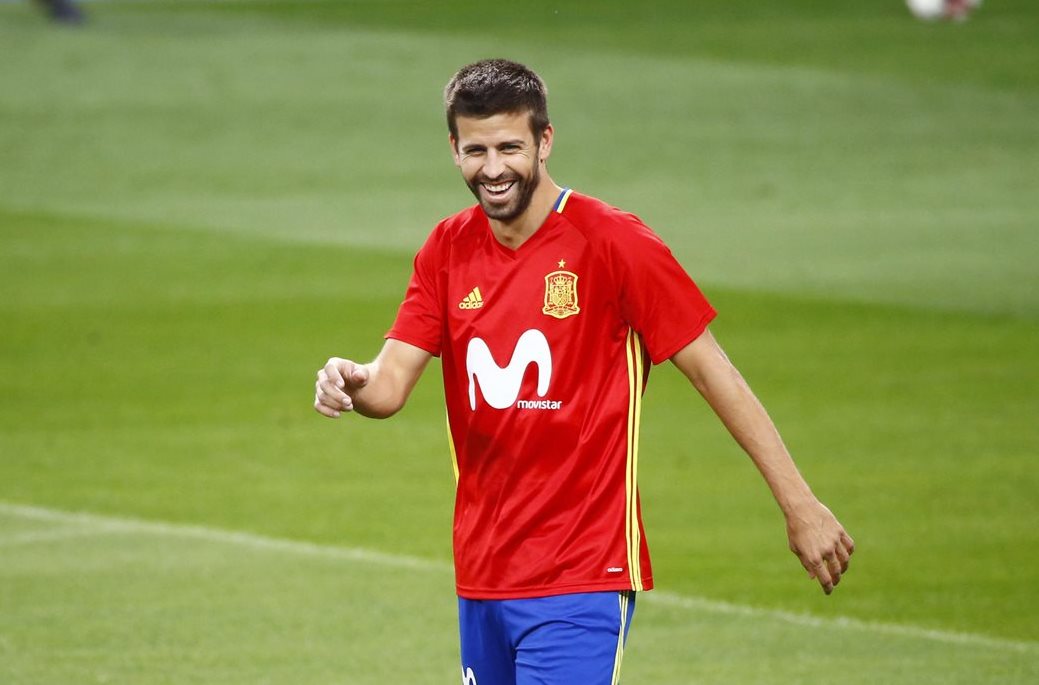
359	376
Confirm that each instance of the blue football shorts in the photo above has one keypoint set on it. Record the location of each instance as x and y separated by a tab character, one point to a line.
575	639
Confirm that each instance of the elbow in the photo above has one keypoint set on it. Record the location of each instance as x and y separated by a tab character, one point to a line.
389	411
379	411
381	408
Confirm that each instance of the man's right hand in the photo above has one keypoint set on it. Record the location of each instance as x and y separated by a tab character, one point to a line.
337	384
376	390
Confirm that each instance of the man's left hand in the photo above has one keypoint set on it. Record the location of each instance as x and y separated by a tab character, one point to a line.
820	542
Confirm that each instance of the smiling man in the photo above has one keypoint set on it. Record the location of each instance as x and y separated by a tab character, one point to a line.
548	308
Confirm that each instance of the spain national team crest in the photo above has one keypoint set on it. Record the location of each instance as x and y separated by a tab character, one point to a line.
561	294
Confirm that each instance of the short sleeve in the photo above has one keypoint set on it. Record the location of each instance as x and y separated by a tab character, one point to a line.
658	299
419	320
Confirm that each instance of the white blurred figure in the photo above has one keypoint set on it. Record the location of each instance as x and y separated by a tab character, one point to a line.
940	10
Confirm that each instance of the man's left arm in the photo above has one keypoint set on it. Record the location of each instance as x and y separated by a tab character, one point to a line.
816	536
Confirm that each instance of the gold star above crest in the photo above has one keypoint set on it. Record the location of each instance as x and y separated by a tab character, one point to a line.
562	263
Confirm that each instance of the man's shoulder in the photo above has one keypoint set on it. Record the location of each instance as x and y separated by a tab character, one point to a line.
600	221
461	227
469	220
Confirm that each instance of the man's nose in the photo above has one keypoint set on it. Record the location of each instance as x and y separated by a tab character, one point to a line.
494	165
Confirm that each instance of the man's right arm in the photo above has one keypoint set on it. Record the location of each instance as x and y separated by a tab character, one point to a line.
378	389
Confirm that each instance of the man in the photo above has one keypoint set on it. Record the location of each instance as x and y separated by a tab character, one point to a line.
548	308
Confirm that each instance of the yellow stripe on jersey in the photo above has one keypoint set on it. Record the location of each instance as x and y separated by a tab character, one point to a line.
633	536
451	445
628	489
635	439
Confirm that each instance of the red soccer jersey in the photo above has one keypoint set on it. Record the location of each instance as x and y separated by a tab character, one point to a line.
545	358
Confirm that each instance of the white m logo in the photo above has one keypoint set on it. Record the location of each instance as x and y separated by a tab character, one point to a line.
500	386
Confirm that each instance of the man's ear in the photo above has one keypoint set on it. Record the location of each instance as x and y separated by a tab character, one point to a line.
545	147
454	150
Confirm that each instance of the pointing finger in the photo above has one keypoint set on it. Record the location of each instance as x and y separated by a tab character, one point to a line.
332	373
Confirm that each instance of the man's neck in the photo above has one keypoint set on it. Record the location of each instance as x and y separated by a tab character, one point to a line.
514	233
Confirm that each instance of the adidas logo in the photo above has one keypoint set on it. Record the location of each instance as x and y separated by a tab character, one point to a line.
474	300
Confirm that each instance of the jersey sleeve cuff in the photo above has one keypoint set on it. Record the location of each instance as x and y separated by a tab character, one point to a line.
683	340
431	347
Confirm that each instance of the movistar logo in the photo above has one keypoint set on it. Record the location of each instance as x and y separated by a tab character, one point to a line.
538	404
501	386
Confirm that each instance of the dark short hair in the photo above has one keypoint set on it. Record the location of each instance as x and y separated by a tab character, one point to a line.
496	86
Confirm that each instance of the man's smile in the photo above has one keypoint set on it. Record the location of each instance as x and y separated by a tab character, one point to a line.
498	190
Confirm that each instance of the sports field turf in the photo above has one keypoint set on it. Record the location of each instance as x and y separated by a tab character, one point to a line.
200	202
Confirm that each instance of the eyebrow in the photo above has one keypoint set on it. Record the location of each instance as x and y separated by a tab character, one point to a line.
471	147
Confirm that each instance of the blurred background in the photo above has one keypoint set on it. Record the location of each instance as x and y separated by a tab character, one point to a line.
202	201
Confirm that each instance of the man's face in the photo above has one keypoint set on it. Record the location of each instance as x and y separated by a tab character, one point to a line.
501	161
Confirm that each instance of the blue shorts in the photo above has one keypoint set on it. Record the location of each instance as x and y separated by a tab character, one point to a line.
575	639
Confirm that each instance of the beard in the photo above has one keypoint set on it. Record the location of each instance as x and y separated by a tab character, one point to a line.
523	191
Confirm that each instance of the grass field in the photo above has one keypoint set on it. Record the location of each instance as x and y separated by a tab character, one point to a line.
202	201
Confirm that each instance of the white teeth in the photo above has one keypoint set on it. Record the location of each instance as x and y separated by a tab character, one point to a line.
498	188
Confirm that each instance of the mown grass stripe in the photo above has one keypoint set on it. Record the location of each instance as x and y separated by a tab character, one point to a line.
358	554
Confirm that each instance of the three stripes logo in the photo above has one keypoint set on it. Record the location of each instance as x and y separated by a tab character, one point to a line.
474	300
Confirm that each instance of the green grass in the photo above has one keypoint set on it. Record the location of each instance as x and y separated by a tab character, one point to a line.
200	202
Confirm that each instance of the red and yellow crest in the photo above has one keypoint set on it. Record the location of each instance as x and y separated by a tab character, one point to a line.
561	294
